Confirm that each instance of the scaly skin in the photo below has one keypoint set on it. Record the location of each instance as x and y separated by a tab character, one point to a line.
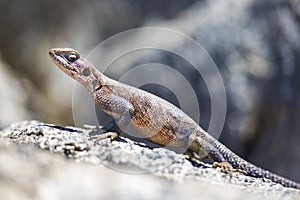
151	117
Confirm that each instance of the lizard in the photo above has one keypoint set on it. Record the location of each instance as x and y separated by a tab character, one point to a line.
154	118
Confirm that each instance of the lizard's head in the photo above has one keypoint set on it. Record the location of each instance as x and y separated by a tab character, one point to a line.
70	62
64	59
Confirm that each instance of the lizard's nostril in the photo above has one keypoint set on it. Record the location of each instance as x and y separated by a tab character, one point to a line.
51	53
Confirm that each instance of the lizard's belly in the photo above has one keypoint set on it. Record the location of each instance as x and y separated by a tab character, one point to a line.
159	133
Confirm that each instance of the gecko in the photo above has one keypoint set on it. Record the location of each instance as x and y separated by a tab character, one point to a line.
154	118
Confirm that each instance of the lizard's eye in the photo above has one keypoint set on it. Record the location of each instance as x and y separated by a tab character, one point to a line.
86	72
72	57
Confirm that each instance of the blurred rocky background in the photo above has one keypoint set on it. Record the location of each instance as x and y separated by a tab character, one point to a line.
255	45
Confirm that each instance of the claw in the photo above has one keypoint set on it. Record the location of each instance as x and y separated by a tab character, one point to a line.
227	167
109	135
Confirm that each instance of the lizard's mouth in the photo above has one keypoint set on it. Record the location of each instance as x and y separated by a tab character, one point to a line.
64	59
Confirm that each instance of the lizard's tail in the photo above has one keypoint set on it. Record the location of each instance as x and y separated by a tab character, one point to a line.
252	170
218	152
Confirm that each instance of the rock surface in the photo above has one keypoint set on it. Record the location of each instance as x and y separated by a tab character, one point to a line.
255	45
46	161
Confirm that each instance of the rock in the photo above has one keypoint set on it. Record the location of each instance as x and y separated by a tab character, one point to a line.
13	97
46	161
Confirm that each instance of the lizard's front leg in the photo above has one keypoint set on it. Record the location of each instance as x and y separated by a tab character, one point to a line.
117	107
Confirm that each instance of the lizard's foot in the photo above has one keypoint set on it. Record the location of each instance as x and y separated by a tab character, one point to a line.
109	135
226	167
103	133
94	130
